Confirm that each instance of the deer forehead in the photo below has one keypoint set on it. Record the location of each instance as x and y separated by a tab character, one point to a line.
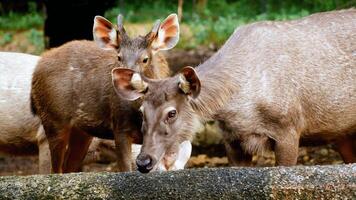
136	43
154	109
133	53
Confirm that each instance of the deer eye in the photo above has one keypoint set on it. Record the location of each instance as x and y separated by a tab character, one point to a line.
145	60
119	58
172	114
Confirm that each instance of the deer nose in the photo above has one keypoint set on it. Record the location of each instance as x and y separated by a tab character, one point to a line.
144	163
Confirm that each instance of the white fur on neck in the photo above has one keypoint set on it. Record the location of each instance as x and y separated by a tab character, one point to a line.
185	150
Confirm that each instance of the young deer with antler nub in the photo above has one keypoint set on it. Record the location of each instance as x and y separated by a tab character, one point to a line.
72	90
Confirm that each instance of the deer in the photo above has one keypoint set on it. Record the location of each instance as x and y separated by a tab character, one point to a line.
73	95
21	133
269	85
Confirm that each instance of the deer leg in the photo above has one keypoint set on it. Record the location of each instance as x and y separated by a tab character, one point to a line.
44	157
286	149
58	141
100	150
236	155
79	142
123	151
234	152
345	147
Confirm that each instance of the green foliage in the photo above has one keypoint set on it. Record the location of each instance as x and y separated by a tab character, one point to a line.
22	21
210	24
35	37
219	19
142	11
5	38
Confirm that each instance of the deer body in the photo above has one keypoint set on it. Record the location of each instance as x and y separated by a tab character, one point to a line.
269	85
285	80
18	127
21	132
78	95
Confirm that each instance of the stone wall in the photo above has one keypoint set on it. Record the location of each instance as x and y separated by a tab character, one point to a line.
316	182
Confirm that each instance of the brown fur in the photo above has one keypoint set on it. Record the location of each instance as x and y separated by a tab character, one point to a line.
20	131
57	101
270	84
72	93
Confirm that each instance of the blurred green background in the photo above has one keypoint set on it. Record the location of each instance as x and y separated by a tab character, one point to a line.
203	22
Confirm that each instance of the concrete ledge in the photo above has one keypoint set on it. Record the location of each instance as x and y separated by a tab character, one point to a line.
315	182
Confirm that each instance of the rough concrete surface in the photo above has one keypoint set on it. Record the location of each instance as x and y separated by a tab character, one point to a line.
300	182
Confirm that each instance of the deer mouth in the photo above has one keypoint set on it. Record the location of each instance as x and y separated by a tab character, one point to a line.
144	170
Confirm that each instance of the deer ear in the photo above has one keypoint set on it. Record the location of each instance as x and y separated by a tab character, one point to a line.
105	34
128	84
189	82
165	36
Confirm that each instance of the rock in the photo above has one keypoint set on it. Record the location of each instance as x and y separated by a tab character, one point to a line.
306	158
299	182
324	152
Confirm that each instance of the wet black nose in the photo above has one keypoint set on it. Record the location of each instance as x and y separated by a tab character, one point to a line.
144	163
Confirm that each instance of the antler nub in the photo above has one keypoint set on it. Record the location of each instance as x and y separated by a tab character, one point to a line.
156	26
120	21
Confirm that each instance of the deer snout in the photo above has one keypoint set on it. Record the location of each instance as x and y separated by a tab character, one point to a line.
144	163
131	64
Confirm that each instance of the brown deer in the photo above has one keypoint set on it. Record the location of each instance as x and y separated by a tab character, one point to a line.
21	133
72	90
270	84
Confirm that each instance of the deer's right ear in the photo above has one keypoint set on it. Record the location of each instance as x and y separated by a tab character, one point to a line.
105	34
128	84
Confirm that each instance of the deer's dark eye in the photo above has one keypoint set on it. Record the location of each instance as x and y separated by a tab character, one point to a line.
119	58
145	60
172	114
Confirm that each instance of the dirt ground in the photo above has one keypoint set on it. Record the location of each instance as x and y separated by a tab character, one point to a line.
320	155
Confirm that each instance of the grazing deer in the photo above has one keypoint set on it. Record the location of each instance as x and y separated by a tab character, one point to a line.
271	84
72	90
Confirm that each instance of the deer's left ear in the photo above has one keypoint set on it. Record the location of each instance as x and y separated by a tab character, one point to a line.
105	34
189	82
128	84
165	35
